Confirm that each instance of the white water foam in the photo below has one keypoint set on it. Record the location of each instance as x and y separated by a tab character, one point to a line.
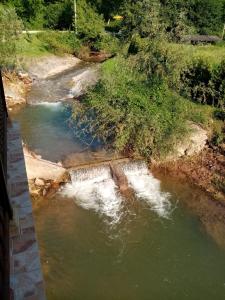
95	189
147	188
52	105
82	81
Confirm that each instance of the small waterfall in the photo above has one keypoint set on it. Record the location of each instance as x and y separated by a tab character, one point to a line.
95	189
147	188
83	80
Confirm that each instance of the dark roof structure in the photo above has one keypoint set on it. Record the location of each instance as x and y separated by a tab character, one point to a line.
196	39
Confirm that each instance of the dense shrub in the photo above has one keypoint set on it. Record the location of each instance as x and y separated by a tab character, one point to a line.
196	82
204	83
132	114
11	28
60	42
137	44
107	43
59	15
219	84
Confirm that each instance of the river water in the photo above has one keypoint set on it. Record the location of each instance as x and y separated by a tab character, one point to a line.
97	245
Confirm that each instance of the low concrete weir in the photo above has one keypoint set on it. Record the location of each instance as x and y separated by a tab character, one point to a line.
120	179
103	188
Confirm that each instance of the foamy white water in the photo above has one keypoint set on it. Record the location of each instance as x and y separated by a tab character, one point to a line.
95	189
147	188
82	81
52	105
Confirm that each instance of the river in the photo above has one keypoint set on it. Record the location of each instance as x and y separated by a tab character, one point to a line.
97	245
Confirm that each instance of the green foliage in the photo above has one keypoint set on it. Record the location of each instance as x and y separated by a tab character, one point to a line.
29	46
218	136
142	18
207	15
59	42
174	14
132	114
107	43
90	24
11	28
59	15
204	83
31	12
137	44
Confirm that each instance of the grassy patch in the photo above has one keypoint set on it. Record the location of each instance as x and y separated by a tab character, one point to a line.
212	54
30	45
59	43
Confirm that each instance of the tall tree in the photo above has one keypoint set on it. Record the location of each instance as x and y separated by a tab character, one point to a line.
11	27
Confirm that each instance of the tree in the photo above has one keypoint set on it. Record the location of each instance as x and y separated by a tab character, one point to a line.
11	27
206	15
30	11
142	18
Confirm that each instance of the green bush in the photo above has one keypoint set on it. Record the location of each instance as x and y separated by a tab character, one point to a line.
130	113
218	136
196	82
137	44
204	83
11	28
60	42
107	43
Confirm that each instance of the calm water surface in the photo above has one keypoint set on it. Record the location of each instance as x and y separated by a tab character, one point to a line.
47	130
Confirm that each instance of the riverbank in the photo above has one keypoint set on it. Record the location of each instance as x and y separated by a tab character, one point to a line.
205	170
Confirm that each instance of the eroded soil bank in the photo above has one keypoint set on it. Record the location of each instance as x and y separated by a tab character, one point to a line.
205	170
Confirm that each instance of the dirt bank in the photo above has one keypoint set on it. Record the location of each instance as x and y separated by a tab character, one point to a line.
205	170
16	87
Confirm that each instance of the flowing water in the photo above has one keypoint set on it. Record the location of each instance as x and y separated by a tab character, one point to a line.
97	245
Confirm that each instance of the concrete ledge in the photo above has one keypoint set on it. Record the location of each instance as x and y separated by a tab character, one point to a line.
26	279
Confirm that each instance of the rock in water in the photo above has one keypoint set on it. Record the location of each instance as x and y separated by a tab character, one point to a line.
39	182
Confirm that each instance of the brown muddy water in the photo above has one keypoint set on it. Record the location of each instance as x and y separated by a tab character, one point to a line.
130	250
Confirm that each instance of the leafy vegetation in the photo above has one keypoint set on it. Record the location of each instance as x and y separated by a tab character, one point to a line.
10	30
133	114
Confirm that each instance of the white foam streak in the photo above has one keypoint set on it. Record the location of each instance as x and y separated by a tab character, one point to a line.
94	189
148	188
52	105
82	81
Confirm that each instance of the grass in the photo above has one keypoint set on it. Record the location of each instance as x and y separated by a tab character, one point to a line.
213	54
48	42
30	46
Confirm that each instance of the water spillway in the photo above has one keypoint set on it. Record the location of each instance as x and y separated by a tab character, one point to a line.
147	187
96	189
